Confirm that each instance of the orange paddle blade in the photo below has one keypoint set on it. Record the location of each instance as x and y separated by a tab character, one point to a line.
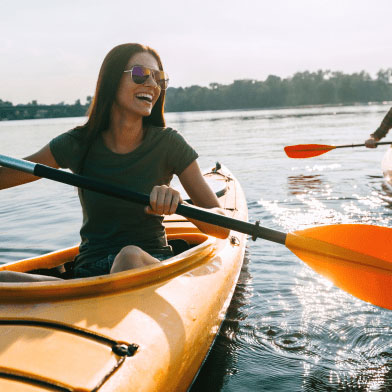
307	150
356	258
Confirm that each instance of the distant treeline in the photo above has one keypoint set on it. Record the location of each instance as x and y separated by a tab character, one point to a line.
303	88
32	110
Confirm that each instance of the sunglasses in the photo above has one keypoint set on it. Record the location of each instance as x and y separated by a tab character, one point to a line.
140	74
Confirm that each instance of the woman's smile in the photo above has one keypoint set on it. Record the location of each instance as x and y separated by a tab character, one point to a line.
145	97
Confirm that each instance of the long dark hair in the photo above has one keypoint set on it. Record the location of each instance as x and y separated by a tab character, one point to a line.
110	74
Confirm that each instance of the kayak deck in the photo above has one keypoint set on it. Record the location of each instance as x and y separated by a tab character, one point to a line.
146	329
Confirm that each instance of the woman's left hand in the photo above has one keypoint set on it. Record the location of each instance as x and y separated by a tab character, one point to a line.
371	142
163	200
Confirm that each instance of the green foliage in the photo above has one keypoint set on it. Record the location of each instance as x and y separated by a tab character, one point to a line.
303	88
35	110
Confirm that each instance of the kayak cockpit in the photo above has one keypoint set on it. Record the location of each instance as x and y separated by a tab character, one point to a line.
201	247
200	250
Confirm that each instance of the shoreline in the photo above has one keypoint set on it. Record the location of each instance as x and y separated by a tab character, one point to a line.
39	115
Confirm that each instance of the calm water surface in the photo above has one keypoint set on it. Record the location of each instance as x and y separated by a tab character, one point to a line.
287	329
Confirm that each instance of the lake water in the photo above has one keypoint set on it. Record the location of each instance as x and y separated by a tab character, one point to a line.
287	329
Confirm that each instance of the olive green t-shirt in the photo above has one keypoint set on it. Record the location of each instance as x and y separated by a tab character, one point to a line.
109	223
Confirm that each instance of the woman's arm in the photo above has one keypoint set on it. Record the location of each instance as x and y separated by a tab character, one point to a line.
381	131
164	200
10	177
201	195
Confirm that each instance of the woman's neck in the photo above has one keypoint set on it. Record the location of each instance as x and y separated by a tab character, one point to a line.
125	133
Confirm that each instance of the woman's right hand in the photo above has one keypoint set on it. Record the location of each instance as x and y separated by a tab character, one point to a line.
371	143
163	200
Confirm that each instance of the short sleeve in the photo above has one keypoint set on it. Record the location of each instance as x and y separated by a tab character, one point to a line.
67	149
180	153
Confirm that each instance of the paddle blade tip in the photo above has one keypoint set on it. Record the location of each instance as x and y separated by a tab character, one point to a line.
301	151
355	258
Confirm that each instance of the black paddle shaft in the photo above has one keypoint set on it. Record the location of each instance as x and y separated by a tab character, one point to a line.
96	185
361	145
191	212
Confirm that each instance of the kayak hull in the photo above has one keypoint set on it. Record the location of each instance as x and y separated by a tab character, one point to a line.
148	329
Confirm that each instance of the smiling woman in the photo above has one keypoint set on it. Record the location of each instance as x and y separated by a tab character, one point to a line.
125	141
138	93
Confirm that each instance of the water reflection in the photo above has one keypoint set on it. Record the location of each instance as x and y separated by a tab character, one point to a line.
358	360
221	361
300	184
307	113
348	342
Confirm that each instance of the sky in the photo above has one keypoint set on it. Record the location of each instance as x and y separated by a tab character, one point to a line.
51	50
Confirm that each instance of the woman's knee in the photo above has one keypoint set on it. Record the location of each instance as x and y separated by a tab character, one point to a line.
130	251
131	257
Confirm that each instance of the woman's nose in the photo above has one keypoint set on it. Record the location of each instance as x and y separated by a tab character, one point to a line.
151	81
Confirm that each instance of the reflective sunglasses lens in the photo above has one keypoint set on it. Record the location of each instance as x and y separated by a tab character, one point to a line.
162	79
140	74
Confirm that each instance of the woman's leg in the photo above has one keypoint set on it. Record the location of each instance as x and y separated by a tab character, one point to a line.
12	276
132	257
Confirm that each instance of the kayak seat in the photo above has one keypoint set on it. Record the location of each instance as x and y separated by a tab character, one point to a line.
64	271
178	245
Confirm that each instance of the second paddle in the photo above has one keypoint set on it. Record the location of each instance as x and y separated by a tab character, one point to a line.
313	150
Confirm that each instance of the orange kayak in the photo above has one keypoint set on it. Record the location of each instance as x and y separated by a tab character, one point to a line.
147	329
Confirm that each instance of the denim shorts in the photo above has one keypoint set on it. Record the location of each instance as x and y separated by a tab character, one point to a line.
103	265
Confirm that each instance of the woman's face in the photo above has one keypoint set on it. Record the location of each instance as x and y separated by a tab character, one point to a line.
138	99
